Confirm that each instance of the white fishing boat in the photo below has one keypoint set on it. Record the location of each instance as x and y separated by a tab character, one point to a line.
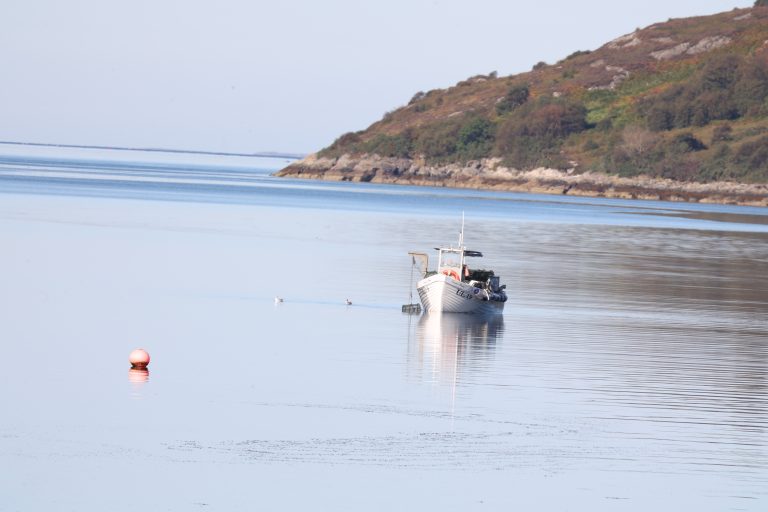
455	287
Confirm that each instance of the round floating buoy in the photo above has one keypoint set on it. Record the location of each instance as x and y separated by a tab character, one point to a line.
139	358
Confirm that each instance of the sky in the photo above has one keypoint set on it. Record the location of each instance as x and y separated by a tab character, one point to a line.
288	75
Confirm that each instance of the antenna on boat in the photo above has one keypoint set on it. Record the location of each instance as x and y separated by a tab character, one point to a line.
461	234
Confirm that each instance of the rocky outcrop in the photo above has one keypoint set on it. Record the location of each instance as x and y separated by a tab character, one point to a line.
491	174
668	53
708	44
705	45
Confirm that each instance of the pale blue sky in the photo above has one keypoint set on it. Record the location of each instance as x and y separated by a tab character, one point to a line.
237	75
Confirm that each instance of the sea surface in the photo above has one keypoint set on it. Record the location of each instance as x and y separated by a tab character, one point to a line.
629	371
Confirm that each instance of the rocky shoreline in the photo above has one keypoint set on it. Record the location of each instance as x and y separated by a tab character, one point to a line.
490	174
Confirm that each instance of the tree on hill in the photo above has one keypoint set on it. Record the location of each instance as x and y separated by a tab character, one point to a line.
761	3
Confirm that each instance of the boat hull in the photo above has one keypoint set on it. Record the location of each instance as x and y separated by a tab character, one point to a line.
443	294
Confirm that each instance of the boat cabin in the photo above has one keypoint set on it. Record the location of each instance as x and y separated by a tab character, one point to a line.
452	262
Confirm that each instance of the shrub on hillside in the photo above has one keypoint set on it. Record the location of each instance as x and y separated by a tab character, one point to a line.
515	97
722	133
590	145
398	146
747	163
679	168
716	167
685	143
660	117
751	91
532	152
720	73
417	97
577	53
475	139
463	138
437	141
642	152
345	143
753	155
636	151
555	120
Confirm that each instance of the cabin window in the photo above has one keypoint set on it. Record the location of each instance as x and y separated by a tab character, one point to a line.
451	259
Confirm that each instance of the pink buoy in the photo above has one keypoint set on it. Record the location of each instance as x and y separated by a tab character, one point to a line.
139	358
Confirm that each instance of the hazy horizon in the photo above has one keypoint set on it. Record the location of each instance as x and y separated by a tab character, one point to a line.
254	77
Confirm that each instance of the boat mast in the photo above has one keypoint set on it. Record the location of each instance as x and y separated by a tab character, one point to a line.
461	246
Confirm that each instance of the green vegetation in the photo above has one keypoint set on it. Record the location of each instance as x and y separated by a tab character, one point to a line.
516	96
693	115
533	136
475	139
726	87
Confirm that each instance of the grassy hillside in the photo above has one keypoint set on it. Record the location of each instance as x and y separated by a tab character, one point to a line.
686	99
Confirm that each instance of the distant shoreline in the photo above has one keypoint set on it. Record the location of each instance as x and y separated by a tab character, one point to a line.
489	174
261	154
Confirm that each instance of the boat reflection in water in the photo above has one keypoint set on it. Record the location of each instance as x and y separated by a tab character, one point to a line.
449	343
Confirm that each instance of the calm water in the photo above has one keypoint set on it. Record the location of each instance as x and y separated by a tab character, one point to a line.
628	372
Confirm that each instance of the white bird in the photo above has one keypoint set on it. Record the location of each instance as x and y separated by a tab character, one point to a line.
278	300
348	302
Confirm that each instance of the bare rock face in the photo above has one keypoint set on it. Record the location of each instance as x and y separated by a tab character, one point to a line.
705	45
669	53
489	173
708	44
625	41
